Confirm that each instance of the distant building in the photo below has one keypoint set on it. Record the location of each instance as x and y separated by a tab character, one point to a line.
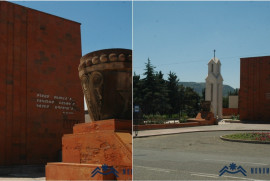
40	91
254	93
213	87
233	101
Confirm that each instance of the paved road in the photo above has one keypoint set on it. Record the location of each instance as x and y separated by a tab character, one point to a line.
197	156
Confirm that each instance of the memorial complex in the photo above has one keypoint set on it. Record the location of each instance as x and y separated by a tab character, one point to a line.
42	99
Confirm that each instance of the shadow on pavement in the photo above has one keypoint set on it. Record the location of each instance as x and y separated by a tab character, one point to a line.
23	171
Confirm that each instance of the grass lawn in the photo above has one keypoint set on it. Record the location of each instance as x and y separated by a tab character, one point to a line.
250	136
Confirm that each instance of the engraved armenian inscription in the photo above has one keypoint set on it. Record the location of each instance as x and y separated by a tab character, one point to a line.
66	105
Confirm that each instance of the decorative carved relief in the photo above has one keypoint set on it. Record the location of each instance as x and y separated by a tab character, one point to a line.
106	77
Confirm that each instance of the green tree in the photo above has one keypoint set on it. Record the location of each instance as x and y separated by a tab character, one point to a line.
137	86
192	100
161	100
181	91
155	95
203	94
149	86
225	102
234	93
174	95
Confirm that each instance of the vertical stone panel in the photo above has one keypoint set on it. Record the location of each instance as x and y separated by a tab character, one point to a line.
265	84
254	88
257	105
19	84
3	77
250	89
40	54
243	97
9	81
53	57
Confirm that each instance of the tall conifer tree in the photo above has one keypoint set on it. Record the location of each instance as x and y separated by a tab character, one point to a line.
174	94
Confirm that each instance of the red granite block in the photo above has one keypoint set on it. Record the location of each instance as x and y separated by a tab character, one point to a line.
230	111
125	172
111	124
94	143
104	147
74	171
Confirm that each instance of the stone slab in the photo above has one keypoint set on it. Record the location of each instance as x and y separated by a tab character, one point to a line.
116	125
74	171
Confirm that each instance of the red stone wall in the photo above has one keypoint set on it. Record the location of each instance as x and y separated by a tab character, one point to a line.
40	93
254	94
230	111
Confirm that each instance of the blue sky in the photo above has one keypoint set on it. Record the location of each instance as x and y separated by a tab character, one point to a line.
181	36
176	36
103	24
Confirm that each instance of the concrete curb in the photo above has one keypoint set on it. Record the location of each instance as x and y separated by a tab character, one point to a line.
144	136
245	141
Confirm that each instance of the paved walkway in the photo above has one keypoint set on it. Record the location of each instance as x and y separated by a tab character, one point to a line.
221	127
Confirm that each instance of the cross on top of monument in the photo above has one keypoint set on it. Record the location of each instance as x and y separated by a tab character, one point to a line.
214	59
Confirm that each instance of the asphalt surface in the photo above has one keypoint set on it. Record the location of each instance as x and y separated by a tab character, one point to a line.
197	156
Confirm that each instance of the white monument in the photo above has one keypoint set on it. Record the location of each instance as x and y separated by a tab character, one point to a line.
213	87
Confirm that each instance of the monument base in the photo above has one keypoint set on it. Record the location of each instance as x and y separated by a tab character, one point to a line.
91	147
74	171
204	118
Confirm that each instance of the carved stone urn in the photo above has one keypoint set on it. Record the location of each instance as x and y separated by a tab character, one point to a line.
106	77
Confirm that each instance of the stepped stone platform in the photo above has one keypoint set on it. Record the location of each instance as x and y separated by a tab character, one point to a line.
92	145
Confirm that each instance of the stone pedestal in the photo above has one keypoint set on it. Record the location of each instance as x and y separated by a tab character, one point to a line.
204	117
90	146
